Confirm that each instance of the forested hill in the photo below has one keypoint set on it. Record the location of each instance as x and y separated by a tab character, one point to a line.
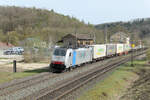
17	24
140	28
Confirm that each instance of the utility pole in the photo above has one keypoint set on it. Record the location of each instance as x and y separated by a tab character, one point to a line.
132	50
105	33
76	36
132	57
94	38
10	28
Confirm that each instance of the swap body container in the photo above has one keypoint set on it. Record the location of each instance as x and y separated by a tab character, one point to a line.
127	47
99	51
120	48
110	49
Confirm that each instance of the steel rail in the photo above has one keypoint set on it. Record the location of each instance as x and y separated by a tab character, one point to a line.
25	83
65	89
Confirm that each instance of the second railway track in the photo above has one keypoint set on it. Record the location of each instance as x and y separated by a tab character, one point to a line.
50	92
24	83
27	87
65	89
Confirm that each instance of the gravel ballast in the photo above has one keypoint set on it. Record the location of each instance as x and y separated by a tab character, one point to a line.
52	81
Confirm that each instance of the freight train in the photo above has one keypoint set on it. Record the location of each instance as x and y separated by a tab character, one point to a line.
69	58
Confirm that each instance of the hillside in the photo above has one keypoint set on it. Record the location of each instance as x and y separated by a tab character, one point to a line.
140	28
17	24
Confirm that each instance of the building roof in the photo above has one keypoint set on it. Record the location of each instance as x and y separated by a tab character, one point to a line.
5	45
81	36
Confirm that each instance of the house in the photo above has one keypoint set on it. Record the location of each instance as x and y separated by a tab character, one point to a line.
77	40
119	37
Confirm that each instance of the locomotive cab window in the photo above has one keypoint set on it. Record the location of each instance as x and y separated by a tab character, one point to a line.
69	54
59	52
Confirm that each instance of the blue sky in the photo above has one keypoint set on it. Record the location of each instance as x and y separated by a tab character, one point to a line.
93	11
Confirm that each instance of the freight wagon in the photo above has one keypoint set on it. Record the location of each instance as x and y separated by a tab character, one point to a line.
110	49
99	51
127	48
120	49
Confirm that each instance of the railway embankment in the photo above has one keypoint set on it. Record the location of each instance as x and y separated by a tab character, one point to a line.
28	86
140	90
125	83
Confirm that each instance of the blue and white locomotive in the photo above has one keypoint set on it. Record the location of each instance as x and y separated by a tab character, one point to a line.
63	58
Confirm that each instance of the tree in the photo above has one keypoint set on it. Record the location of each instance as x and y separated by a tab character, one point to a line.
12	37
2	36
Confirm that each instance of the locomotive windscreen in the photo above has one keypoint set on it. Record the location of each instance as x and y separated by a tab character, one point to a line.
60	52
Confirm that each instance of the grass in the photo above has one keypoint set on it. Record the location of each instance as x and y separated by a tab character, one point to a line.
4	58
115	84
8	76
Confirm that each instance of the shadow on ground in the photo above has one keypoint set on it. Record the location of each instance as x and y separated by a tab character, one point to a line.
41	70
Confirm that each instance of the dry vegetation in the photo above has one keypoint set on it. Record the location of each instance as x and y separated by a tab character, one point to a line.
139	28
126	83
17	24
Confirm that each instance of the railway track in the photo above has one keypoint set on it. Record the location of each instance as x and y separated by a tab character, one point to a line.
14	87
9	89
24	83
78	73
70	86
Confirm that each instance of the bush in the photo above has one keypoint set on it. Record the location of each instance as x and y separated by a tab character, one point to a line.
27	57
36	55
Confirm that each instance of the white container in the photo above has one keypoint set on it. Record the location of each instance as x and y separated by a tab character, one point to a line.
120	48
99	51
111	49
127	47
